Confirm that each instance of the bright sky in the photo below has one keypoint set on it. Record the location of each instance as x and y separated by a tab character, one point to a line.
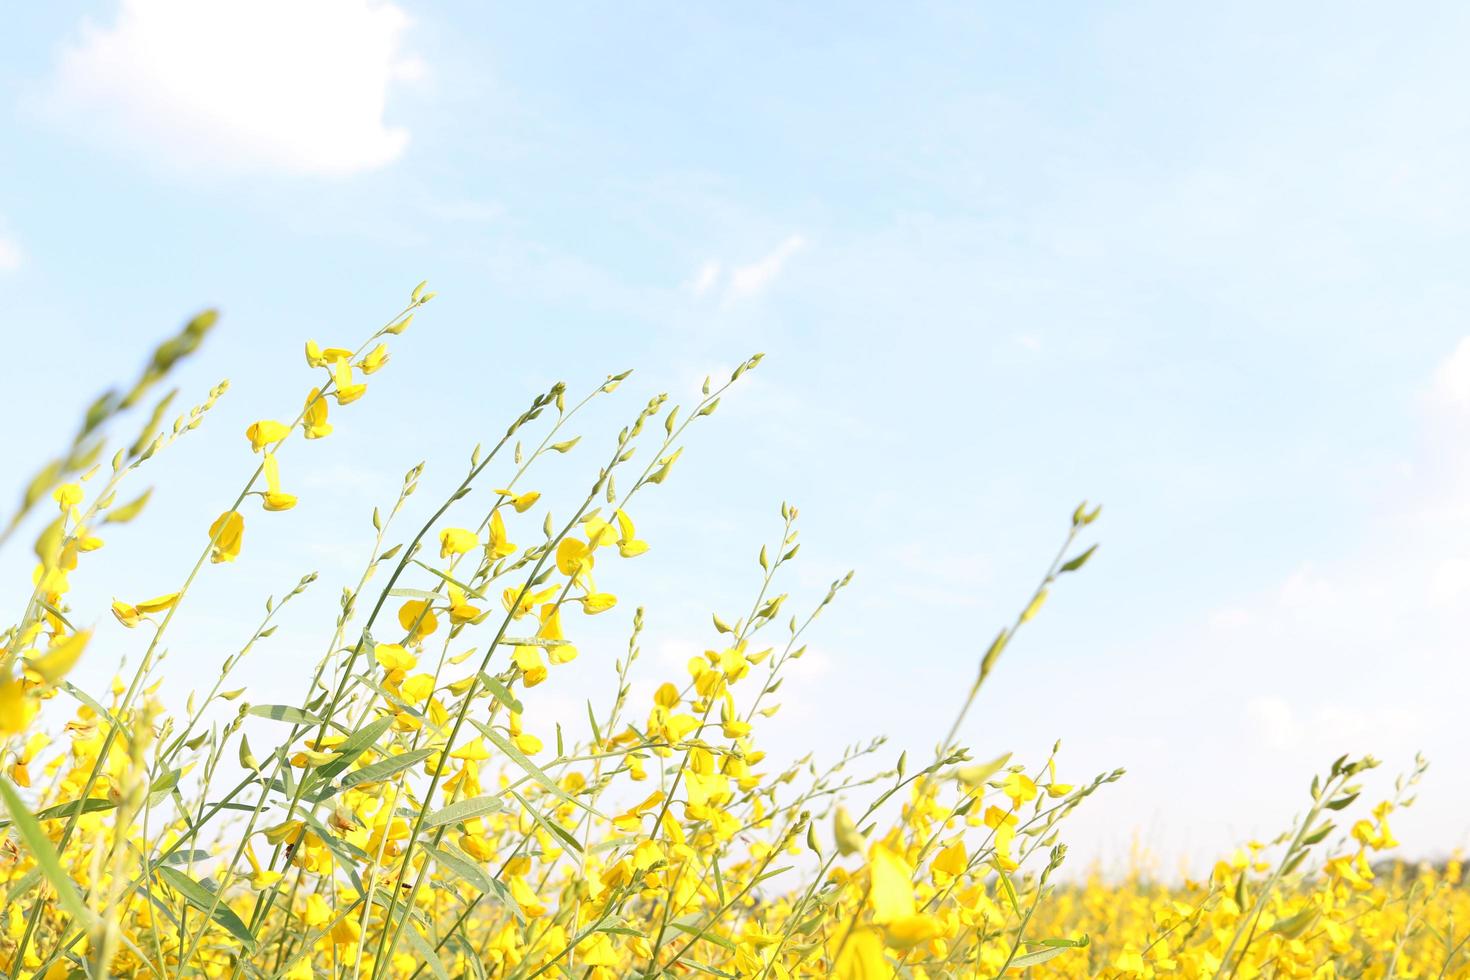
1204	265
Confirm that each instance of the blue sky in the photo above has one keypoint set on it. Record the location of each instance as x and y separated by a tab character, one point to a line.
1204	266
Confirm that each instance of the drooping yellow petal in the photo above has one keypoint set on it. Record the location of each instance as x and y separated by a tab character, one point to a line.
892	895
227	532
314	419
56	662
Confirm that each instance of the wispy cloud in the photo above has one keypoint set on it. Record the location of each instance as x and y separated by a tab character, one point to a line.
261	85
10	254
749	280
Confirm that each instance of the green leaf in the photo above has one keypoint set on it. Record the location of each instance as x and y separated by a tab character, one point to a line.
353	746
128	511
1038	956
592	720
1079	561
531	769
43	852
1294	925
204	900
384	768
285	712
462	866
551	826
93	804
427	953
501	693
165	782
698	934
464	810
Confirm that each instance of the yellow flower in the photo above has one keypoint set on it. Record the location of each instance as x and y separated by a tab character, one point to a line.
521	502
391	657
274	498
416	615
347	392
598	602
528	659
128	615
226	532
499	546
158	603
264	433
1019	787
60	658
68	495
628	544
460	610
475	751
316	357
456	541
892	893
573	557
314	419
860	957
16	708
374	359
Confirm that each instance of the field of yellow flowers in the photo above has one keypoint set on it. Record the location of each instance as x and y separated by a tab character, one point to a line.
410	820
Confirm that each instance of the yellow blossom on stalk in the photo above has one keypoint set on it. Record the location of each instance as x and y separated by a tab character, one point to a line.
474	751
391	657
314	417
1019	787
456	541
550	630
524	741
317	357
1055	789
416	616
892	900
573	557
131	615
20	772
265	433
528	659
460	609
259	877
374	359
347	391
499	546
16	708
227	532
598	602
599	532
628	544
67	495
274	498
522	502
858	955
58	660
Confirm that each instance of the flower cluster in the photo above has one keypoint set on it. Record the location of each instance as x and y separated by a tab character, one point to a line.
412	815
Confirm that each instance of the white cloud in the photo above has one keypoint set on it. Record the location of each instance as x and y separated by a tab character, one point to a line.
1327	729
706	279
10	255
745	281
1451	388
753	279
277	85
